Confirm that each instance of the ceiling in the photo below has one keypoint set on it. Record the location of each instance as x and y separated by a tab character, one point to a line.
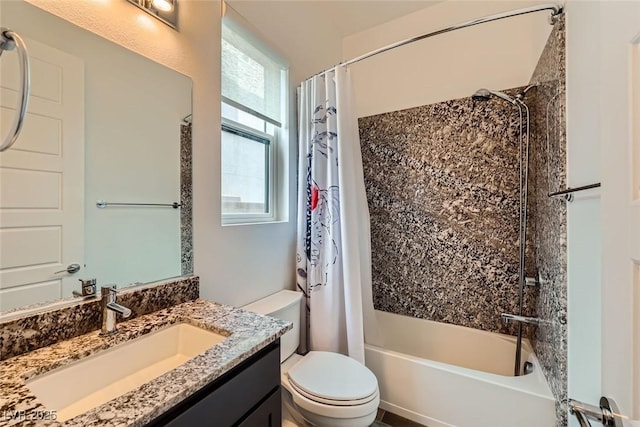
310	32
345	16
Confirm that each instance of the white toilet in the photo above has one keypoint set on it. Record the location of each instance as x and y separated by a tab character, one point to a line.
321	388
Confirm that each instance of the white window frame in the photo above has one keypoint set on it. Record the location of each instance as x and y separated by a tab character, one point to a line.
279	150
251	218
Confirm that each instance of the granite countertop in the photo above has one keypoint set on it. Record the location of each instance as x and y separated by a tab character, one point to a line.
247	334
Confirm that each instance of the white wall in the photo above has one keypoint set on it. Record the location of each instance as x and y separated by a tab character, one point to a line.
237	264
126	25
497	55
583	215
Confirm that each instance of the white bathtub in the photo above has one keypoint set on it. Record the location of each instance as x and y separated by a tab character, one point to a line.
445	375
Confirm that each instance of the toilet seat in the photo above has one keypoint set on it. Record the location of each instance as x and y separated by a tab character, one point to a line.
334	378
332	402
337	412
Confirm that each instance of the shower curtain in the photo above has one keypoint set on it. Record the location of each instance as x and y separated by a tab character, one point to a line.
334	249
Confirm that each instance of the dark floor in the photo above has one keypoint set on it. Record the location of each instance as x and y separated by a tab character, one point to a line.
387	419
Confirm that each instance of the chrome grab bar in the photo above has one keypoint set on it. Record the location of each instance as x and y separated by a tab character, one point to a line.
9	40
607	414
103	204
568	193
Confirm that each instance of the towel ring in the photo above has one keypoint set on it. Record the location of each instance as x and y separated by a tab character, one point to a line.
8	41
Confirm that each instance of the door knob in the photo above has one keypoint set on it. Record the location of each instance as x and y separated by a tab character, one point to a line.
71	269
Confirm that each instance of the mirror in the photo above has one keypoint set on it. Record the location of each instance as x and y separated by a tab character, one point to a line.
103	124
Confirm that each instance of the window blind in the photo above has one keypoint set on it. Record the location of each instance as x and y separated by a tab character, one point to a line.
251	78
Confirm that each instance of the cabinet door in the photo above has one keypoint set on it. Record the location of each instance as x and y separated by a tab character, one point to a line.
268	414
225	402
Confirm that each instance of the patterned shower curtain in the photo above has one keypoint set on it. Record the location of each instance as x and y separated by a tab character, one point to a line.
333	250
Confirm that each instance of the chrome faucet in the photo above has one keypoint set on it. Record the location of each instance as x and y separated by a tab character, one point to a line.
109	309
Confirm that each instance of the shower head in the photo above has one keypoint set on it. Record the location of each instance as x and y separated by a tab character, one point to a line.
485	95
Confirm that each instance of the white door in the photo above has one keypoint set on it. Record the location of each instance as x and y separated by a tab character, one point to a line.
620	136
619	113
42	179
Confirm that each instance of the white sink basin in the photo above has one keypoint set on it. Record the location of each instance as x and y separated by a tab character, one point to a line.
91	382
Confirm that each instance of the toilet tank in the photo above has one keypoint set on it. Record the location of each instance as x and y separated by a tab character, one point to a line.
284	305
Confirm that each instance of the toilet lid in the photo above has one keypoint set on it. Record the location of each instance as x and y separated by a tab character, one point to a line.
332	376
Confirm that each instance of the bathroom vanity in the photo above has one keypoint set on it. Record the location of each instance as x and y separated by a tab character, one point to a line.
234	382
248	395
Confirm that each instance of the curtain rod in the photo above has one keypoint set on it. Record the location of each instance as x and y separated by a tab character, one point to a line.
556	10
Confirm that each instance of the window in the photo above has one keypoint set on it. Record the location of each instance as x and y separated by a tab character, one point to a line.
247	184
253	97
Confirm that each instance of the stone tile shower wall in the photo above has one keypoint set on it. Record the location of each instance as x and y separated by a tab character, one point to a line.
443	194
549	216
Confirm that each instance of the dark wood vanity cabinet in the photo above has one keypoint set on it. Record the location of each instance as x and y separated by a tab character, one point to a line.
246	396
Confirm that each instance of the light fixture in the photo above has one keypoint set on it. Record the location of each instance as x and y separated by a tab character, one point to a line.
164	10
163	5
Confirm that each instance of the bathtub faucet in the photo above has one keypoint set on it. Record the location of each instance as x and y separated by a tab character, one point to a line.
515	318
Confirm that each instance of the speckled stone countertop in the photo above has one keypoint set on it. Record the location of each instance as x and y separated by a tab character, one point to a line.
247	334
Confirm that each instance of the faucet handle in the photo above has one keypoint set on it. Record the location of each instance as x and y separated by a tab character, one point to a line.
109	289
